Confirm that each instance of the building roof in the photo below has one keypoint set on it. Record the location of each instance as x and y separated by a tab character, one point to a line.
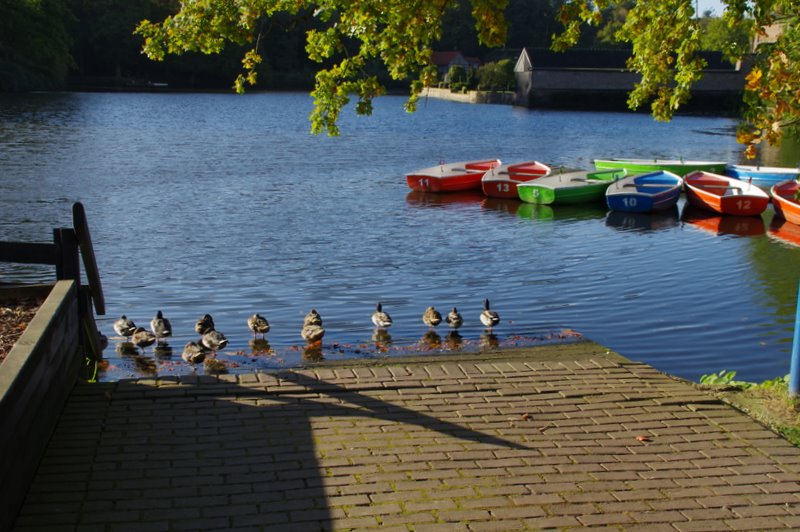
591	58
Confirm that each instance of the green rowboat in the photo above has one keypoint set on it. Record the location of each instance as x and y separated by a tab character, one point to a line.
569	188
642	166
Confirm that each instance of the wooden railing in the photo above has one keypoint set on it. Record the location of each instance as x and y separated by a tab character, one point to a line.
65	253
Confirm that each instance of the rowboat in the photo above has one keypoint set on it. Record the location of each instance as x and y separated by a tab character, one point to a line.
676	166
501	181
784	231
724	195
786	201
761	176
655	191
450	177
572	187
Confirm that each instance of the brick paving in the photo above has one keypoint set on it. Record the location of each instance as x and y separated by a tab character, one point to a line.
502	443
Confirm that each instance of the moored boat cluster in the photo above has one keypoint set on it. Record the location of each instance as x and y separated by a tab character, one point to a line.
629	185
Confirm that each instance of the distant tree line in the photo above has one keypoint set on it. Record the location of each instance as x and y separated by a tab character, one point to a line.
48	44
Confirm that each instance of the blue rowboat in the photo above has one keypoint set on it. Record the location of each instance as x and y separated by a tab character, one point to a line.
761	176
655	191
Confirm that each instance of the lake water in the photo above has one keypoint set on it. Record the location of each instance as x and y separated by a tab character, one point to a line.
228	205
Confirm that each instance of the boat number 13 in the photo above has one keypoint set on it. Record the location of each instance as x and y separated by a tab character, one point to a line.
502	187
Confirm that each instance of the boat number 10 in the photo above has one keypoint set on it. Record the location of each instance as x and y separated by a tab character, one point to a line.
424	183
629	202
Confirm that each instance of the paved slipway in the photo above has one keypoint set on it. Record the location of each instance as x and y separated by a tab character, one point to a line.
556	437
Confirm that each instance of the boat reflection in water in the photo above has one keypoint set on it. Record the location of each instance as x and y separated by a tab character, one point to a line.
784	232
444	199
643	221
722	225
586	211
506	205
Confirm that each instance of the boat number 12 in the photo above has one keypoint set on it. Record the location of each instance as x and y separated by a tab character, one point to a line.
502	187
743	205
424	183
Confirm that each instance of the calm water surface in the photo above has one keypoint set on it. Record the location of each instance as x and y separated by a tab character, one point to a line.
226	204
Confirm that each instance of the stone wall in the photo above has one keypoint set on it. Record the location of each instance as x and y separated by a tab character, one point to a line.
35	380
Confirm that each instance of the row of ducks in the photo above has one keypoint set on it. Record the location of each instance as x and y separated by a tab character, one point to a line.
312	331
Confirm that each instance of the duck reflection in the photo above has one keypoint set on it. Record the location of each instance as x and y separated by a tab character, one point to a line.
312	352
259	346
145	365
163	351
454	341
488	340
126	349
382	339
430	341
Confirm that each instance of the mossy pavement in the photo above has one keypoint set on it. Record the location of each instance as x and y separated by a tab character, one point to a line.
563	436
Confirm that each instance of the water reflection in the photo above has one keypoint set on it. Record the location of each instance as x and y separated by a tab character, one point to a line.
488	340
430	341
638	221
587	211
382	339
454	341
506	205
785	232
163	351
722	225
259	346
313	352
433	199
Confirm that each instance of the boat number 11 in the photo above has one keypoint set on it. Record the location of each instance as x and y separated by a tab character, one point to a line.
425	183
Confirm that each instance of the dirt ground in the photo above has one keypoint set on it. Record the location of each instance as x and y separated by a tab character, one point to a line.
14	318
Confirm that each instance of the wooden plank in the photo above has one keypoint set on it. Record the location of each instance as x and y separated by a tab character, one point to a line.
28	253
68	265
81	225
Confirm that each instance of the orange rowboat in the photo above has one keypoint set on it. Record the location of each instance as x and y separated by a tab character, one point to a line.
501	181
451	177
724	195
785	199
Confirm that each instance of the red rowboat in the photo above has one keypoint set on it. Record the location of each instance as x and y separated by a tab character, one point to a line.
724	195
785	200
451	177
501	181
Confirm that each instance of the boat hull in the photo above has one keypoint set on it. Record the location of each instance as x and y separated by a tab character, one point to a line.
678	167
570	188
786	206
501	181
452	177
725	195
761	176
651	192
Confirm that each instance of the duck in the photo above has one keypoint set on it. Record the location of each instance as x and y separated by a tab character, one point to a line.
454	319
160	326
313	318
194	353
204	324
431	317
124	326
258	324
489	318
312	333
142	338
214	340
381	319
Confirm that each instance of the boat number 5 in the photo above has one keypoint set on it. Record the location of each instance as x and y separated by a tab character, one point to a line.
743	204
424	183
502	187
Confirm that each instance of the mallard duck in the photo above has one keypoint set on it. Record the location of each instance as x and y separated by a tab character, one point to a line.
204	324
142	338
489	318
454	319
124	327
431	317
214	340
313	318
381	319
258	324
193	353
160	326
312	333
